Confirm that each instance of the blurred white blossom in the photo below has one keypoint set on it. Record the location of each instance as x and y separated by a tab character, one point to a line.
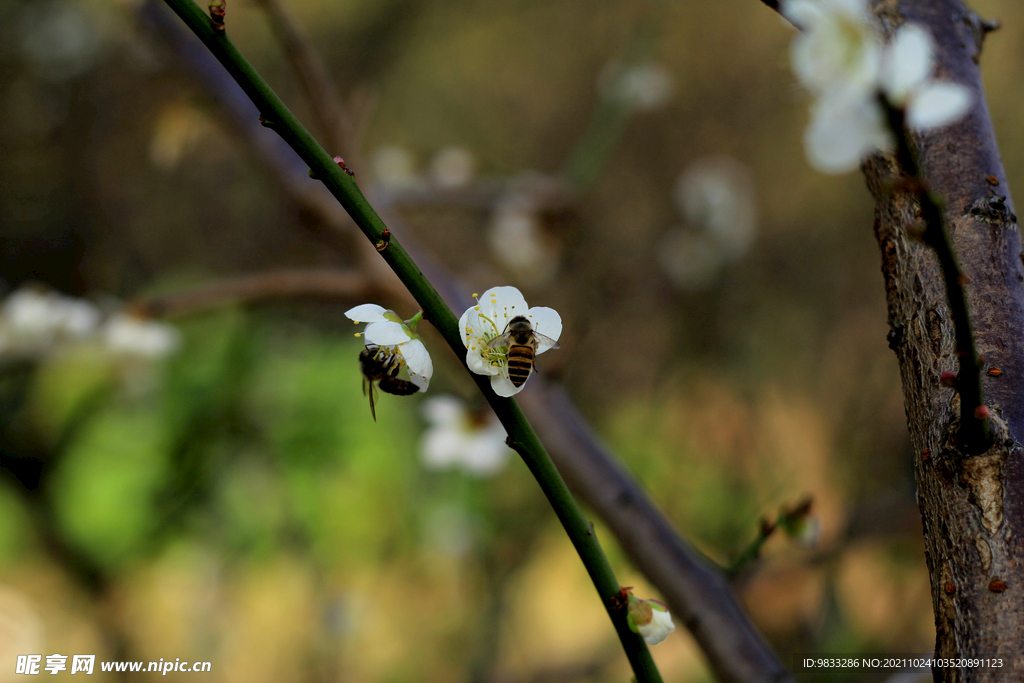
59	38
515	237
393	167
837	46
33	320
839	56
716	195
452	167
133	336
716	198
457	438
644	86
906	78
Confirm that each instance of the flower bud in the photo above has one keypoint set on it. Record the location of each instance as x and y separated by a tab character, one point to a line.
650	619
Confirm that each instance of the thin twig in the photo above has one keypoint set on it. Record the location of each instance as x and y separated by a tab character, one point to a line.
319	87
277	117
786	518
973	434
314	283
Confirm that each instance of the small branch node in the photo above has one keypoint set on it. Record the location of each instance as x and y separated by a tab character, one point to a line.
341	164
620	599
382	244
218	10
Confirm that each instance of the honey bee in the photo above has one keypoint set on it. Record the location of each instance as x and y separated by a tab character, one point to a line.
382	369
522	342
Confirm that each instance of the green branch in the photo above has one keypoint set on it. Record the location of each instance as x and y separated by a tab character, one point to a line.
278	118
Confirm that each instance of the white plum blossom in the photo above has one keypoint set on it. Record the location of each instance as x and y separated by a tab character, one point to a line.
394	167
452	167
489	319
396	337
32	320
518	242
458	438
906	79
650	619
644	87
133	336
837	46
840	58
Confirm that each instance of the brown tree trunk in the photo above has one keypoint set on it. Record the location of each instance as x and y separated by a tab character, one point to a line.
972	505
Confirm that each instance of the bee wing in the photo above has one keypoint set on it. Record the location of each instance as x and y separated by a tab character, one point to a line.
499	341
547	341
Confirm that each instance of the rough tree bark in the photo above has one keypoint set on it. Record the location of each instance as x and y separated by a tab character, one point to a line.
972	505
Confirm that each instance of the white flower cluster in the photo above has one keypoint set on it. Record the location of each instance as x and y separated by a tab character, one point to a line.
34	322
394	168
839	56
458	438
716	198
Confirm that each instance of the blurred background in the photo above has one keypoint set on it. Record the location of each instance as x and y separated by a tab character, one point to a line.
189	465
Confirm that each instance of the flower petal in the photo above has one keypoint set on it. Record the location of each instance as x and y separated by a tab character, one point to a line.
421	368
802	13
938	104
468	323
502	303
839	48
444	411
545	321
386	334
657	630
907	63
442	447
478	365
485	453
503	386
845	127
367	313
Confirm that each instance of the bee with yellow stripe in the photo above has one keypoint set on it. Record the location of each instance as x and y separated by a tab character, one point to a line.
522	341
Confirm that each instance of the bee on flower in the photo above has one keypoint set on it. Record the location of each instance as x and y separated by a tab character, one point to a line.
391	345
503	336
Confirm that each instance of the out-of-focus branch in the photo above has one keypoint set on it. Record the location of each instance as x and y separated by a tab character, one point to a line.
313	284
696	591
333	117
